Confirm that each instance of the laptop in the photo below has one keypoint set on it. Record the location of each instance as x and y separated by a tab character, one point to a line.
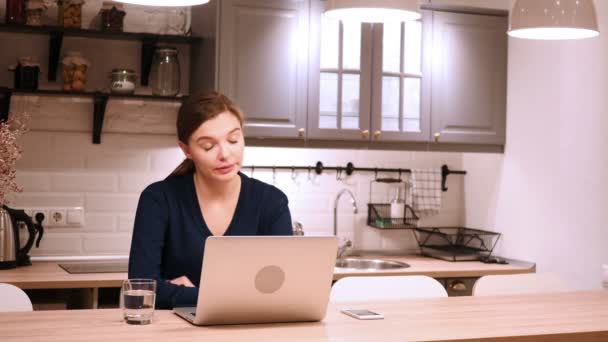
263	279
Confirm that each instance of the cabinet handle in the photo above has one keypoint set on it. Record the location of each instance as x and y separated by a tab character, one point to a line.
437	136
365	134
457	285
377	134
301	132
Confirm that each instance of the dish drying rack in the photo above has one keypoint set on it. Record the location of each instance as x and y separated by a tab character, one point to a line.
456	243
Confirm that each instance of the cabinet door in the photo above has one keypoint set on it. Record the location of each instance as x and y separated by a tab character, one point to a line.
402	80
469	78
340	78
263	61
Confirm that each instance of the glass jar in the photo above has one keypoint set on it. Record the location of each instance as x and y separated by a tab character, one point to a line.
70	13
123	81
26	73
15	11
112	16
74	71
35	10
165	72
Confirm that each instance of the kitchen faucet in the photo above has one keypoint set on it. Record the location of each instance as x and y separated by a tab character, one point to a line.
353	201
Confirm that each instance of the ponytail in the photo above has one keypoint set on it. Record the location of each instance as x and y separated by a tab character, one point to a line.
186	167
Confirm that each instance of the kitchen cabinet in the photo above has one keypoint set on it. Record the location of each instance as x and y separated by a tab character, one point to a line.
298	75
438	80
260	59
368	82
469	78
484	4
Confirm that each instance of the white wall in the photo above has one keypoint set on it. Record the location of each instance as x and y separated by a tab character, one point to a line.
548	194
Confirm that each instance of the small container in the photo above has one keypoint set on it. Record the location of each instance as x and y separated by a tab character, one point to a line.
605	276
34	12
123	81
15	12
74	72
165	72
397	205
70	13
112	16
26	73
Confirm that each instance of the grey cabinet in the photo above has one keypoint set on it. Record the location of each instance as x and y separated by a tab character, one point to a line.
339	91
261	61
469	78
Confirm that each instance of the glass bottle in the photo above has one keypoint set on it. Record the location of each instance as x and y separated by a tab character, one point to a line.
15	11
165	73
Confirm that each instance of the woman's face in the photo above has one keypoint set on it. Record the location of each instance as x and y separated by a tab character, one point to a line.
216	147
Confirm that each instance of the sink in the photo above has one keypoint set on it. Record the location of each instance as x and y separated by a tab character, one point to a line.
370	264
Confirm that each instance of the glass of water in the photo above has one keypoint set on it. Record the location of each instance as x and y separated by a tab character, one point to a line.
137	300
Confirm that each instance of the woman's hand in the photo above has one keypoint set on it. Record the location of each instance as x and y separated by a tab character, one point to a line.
182	281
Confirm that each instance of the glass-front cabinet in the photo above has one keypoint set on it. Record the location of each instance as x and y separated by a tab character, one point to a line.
370	80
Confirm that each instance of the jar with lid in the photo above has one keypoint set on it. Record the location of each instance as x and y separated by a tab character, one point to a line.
26	73
15	12
112	16
34	11
123	81
74	72
165	72
70	13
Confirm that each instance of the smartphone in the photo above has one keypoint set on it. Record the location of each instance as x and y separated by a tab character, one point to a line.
362	314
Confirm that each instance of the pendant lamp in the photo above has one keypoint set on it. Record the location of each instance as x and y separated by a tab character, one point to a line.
372	11
553	19
166	3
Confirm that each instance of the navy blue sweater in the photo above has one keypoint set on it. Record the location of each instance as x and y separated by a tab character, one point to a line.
170	232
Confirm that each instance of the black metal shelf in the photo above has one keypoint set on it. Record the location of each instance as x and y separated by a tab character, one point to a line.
100	101
56	34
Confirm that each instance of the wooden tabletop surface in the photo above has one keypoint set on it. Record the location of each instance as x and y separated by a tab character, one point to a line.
48	275
555	317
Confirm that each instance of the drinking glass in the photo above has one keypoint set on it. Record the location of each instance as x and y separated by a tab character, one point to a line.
137	300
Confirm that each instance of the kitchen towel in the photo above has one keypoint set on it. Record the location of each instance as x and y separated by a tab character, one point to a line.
426	191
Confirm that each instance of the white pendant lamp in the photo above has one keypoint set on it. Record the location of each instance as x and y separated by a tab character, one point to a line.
372	11
553	19
165	3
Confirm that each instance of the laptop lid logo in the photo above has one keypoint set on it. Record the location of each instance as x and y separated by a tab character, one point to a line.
269	279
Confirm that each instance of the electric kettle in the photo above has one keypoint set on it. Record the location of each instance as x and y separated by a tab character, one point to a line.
11	253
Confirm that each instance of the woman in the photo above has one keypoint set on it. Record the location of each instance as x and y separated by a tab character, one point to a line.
206	195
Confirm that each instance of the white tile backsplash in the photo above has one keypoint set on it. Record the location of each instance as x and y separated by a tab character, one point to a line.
64	169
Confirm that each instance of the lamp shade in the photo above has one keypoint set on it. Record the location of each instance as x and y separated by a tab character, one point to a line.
166	3
553	19
372	11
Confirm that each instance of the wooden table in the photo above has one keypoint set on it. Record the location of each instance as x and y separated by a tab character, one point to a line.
557	317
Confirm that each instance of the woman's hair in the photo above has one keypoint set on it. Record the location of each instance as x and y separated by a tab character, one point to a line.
196	110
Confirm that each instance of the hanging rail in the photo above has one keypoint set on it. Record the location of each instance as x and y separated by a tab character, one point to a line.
350	168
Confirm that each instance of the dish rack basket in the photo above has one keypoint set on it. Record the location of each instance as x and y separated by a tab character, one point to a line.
456	243
379	214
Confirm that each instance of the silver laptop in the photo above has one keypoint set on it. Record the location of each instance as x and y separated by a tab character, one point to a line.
263	279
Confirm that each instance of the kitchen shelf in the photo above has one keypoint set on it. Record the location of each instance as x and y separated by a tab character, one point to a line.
100	101
56	34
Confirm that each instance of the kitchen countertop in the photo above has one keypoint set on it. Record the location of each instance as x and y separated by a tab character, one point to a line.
556	317
48	275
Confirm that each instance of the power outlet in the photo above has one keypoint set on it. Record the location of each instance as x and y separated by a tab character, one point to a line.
45	212
57	217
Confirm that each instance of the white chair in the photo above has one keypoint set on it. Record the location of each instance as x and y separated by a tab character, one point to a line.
379	288
497	285
13	299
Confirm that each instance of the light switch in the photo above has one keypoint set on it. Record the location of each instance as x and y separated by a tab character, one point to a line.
75	216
